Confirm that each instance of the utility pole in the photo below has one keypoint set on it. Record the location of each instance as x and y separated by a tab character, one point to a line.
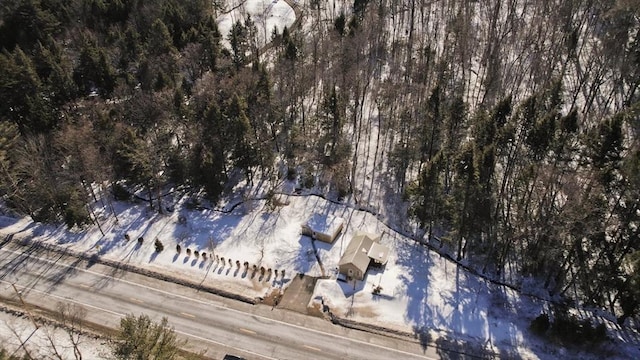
24	305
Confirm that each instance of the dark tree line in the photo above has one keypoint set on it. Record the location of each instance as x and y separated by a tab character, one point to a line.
508	130
131	90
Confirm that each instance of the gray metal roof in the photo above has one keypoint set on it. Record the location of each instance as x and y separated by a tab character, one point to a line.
379	253
358	250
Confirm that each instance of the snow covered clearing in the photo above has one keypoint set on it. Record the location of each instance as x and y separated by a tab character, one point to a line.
266	14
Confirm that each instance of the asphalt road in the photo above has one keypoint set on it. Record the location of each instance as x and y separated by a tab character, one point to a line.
207	321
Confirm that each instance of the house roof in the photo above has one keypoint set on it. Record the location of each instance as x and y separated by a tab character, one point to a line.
357	252
325	223
379	253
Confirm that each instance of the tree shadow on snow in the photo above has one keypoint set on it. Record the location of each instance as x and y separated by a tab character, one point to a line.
203	227
430	307
7	221
352	287
269	221
479	315
414	259
305	257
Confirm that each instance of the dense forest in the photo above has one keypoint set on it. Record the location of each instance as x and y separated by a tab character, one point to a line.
505	129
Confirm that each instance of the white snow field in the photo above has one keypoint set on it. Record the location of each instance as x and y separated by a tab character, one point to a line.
266	14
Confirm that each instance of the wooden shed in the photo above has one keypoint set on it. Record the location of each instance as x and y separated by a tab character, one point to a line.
323	227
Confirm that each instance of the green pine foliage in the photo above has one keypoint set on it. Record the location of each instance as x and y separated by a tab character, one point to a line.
141	338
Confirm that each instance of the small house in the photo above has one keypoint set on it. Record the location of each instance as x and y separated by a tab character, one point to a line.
361	251
323	227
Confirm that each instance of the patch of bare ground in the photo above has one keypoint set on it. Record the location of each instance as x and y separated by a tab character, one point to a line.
315	310
272	298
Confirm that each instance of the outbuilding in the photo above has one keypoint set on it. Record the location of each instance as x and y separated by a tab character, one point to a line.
323	227
361	251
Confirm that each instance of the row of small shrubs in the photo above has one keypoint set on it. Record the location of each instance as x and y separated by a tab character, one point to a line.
160	247
127	237
157	243
567	328
254	267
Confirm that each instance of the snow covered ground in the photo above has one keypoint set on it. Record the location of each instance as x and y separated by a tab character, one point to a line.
16	330
420	290
266	14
